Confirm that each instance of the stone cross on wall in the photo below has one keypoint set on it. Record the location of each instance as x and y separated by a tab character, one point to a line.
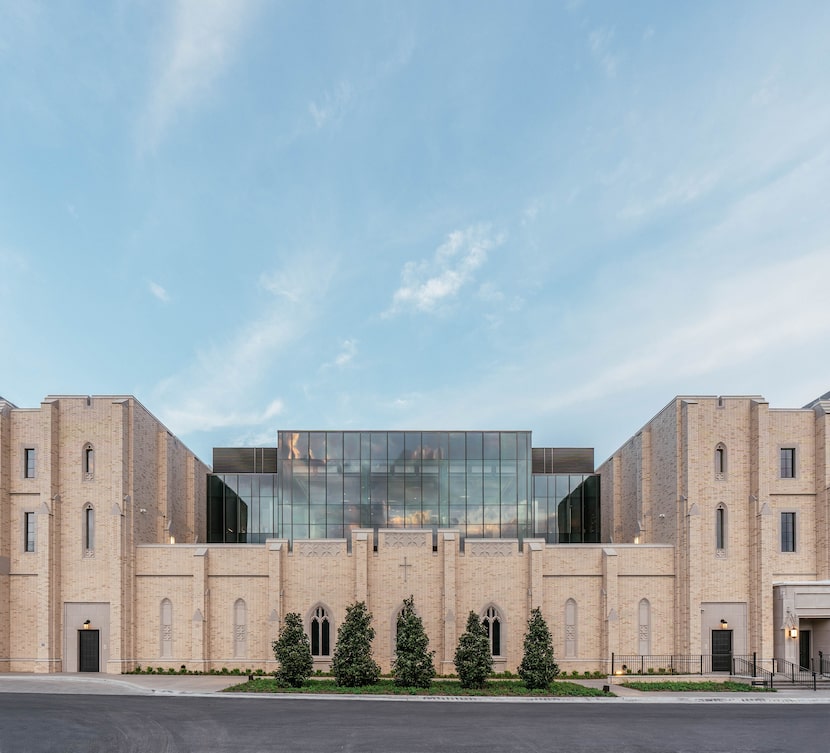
405	567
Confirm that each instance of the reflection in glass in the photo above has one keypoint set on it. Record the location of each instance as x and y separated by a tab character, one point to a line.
329	483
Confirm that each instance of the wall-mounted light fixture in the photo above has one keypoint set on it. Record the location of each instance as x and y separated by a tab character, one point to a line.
724	625
87	624
793	632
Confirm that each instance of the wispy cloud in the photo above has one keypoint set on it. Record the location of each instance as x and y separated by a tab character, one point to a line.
430	284
599	42
332	105
347	354
676	190
208	394
767	91
726	338
159	292
200	45
723	329
530	212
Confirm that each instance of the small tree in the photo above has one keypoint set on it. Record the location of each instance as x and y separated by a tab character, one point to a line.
413	667
473	661
352	664
293	652
538	667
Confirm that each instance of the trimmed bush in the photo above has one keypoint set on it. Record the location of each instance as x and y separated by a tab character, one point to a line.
538	667
473	661
293	652
413	667
352	664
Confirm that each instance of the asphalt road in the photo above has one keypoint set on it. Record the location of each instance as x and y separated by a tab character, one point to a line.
177	724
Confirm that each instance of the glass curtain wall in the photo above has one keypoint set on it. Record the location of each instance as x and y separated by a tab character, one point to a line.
330	483
333	482
566	508
241	507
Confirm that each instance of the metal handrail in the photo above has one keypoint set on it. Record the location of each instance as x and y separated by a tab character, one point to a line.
796	674
770	671
682	664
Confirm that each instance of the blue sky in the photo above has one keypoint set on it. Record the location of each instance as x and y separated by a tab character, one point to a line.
547	216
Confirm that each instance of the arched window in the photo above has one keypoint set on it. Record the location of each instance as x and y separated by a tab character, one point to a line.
320	632
720	460
89	529
492	621
644	629
240	629
166	629
570	628
720	527
88	461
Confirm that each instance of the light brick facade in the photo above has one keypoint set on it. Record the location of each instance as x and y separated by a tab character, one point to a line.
698	454
659	585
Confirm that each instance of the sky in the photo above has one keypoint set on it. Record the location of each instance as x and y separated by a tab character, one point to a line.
257	215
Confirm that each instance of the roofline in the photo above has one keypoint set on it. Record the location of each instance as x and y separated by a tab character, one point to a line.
673	402
135	400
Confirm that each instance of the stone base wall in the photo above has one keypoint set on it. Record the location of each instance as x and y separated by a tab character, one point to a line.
228	601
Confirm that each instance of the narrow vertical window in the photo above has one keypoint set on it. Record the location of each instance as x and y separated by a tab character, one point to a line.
788	462
720	460
89	529
29	462
320	632
89	461
492	625
720	527
29	532
787	531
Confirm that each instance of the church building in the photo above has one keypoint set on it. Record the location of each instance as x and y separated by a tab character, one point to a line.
706	534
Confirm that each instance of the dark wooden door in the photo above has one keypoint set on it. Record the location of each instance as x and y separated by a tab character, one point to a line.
804	651
88	651
721	650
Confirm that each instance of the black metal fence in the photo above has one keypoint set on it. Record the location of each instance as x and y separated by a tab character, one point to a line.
751	666
786	671
661	664
769	672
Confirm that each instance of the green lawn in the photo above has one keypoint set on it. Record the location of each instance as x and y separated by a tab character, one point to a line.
439	687
703	686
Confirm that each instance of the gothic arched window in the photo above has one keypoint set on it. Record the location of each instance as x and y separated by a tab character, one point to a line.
492	622
320	632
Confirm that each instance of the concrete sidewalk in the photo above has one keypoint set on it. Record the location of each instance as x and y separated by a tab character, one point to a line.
207	685
89	683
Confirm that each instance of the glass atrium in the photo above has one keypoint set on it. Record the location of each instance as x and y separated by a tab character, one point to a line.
326	484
